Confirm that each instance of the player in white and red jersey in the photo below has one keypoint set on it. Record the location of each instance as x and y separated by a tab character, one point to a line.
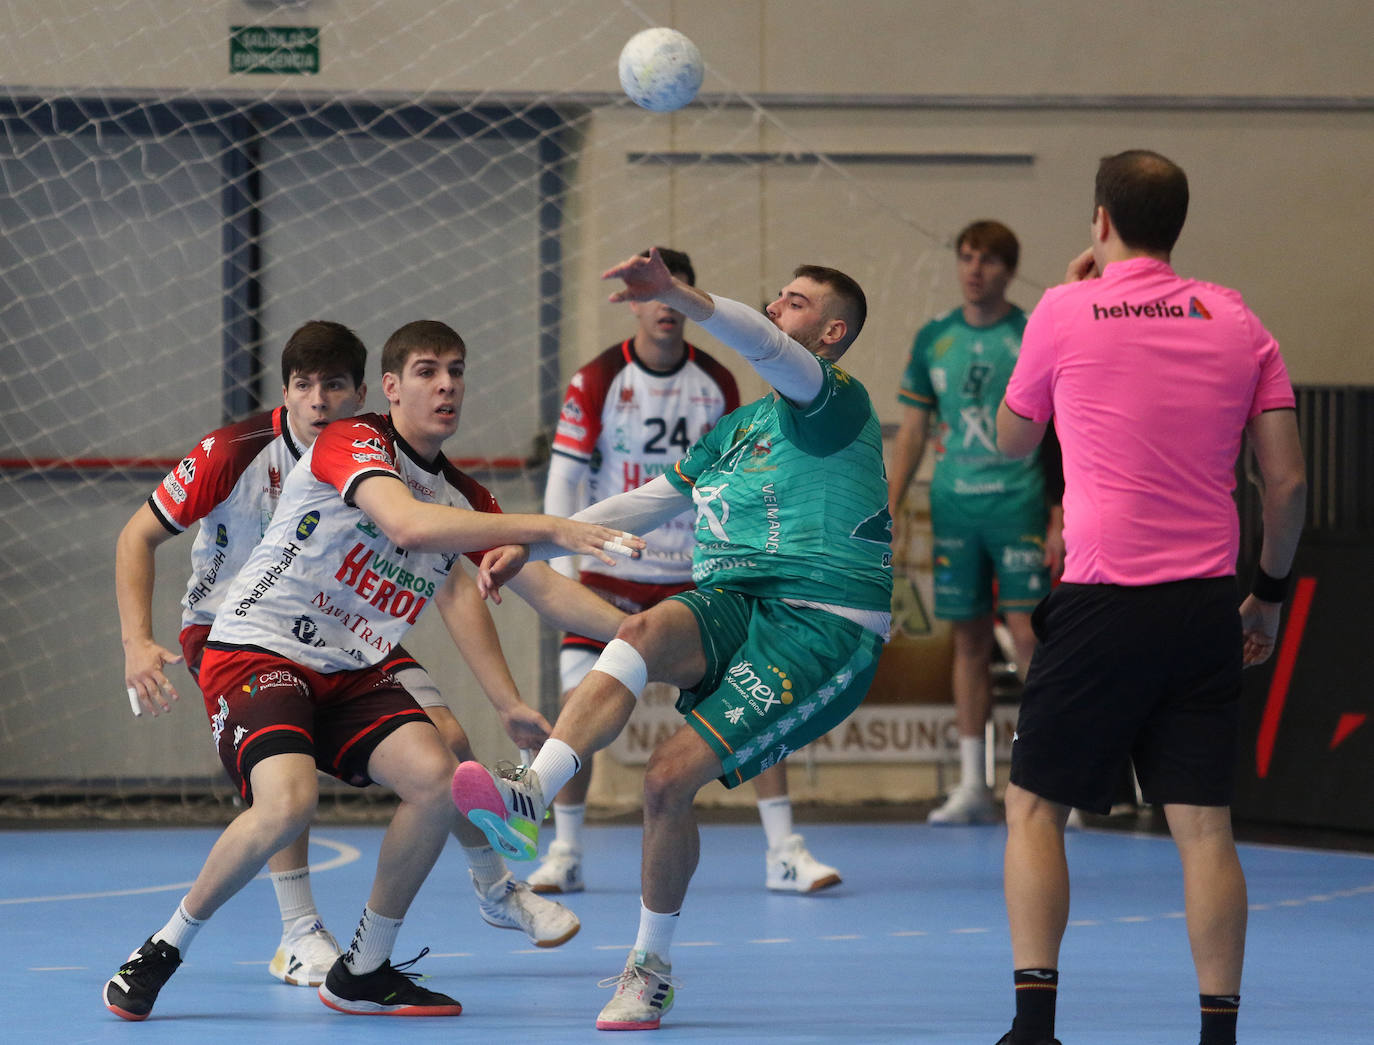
630	415
366	533
229	483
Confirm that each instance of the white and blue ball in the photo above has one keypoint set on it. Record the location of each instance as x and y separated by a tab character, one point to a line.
660	69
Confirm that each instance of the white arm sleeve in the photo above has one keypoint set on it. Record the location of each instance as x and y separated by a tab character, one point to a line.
637	511
783	363
564	495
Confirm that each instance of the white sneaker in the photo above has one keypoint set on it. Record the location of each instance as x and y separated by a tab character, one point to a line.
644	991
965	805
306	952
561	871
792	868
507	808
510	904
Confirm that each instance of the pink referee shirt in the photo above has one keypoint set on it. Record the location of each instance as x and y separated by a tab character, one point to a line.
1151	379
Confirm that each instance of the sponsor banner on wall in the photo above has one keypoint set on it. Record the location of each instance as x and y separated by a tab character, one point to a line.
874	733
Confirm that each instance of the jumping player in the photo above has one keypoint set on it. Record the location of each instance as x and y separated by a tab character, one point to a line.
780	638
628	416
366	534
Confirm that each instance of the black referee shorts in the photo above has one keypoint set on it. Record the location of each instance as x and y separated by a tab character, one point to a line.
1151	673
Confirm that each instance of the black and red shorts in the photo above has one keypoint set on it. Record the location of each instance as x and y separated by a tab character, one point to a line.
261	704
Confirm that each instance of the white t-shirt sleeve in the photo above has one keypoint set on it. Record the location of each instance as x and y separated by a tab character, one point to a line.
783	363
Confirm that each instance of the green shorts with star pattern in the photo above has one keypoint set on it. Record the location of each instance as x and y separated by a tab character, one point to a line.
777	677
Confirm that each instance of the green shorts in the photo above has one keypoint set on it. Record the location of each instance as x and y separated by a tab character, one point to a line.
777	677
969	552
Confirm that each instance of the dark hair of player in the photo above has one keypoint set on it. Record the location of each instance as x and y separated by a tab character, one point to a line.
421	335
322	346
853	304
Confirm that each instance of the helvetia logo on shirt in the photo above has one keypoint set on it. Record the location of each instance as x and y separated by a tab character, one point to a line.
1160	309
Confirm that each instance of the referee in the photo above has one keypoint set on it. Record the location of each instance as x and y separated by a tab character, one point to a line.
1152	380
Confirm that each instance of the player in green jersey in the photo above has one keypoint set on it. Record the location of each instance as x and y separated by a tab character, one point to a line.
780	638
990	515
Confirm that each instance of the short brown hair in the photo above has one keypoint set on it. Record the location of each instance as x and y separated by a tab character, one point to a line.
323	346
419	336
993	237
849	293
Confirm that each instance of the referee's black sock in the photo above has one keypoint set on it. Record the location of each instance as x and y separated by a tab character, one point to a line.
1036	992
1219	1012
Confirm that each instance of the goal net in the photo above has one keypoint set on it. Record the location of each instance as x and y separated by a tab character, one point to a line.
170	212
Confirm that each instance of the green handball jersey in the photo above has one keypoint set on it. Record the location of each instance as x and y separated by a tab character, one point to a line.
792	503
961	373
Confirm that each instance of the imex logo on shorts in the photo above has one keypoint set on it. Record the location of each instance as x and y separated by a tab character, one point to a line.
760	691
1160	309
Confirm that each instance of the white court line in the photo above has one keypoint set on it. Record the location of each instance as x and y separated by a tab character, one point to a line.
344	854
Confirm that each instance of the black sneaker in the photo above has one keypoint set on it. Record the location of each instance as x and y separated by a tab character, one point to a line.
388	990
131	991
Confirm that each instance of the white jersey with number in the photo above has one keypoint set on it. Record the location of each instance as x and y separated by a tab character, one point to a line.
627	424
326	588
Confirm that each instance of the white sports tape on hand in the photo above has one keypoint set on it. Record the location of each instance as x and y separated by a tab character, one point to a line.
134	705
617	545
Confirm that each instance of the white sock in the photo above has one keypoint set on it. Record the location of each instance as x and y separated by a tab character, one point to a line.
655	931
776	814
180	930
973	753
294	895
567	823
372	943
487	866
555	765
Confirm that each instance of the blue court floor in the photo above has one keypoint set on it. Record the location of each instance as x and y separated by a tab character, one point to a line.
912	947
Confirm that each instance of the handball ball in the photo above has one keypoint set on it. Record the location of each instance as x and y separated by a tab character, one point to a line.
660	69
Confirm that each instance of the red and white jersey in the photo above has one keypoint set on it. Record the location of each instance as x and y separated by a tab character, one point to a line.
627	424
326	588
229	483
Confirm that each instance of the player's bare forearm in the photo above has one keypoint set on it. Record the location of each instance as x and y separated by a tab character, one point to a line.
566	604
469	624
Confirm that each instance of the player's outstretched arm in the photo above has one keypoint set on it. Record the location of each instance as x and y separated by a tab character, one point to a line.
783	363
469	624
565	603
420	526
640	510
148	689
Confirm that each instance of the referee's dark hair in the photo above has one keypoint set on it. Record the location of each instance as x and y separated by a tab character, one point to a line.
1146	196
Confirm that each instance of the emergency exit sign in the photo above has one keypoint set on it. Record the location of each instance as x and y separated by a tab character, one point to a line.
282	49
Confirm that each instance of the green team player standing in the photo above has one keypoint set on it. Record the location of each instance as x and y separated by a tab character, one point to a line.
990	516
780	639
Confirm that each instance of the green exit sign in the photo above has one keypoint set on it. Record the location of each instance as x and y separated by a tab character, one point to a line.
282	49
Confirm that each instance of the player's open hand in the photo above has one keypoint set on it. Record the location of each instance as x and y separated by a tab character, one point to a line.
147	687
1259	625
645	278
594	539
